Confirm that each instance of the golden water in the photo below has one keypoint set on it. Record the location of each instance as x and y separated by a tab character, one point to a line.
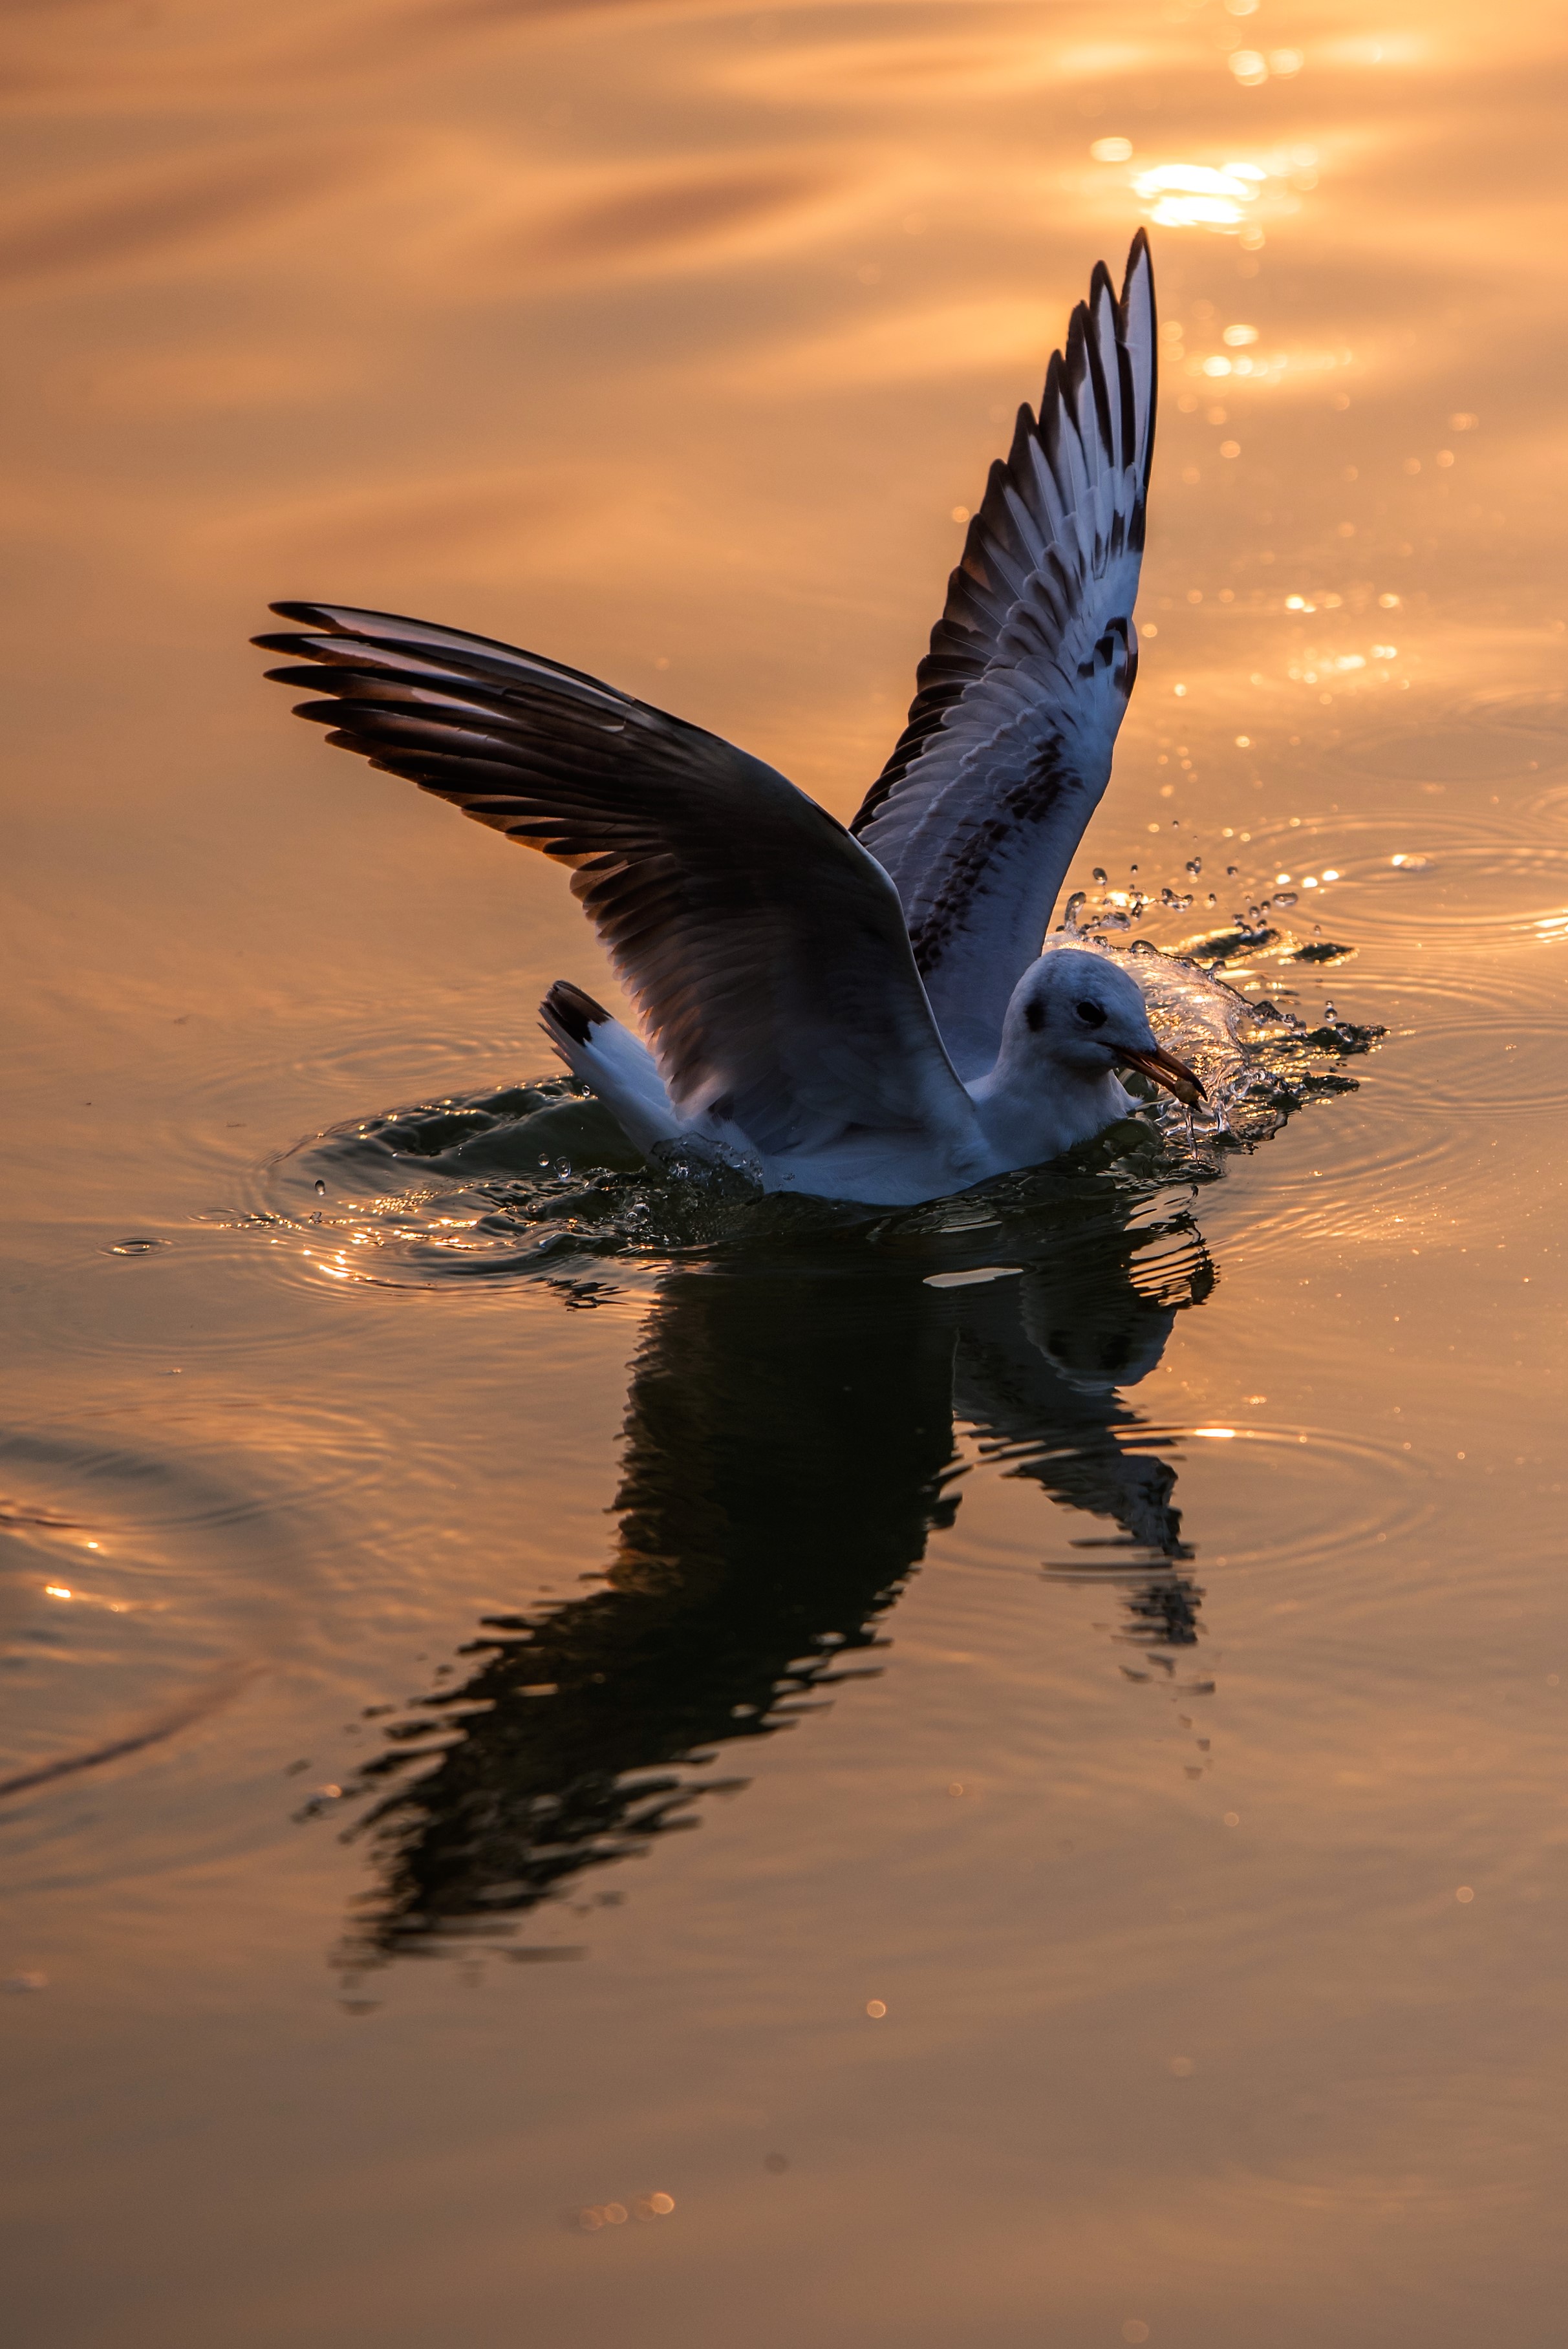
1150	1927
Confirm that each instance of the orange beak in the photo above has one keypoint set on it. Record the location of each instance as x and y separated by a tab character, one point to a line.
1167	1071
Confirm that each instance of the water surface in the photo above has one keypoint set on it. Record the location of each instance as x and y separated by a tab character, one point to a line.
582	1762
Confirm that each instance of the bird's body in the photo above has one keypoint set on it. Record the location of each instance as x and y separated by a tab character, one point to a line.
1032	1104
862	1014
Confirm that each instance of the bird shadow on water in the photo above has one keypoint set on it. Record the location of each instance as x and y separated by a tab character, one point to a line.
799	1417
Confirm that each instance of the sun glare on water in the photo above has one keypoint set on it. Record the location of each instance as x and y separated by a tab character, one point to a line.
1195	195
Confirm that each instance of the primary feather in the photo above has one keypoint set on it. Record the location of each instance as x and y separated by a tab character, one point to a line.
764	946
1008	747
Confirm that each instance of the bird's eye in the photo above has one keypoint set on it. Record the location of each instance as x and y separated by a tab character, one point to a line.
1090	1013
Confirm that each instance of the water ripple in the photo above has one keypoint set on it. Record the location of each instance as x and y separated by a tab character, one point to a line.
141	1595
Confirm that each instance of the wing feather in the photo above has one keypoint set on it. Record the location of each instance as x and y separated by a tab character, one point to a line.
764	948
1008	744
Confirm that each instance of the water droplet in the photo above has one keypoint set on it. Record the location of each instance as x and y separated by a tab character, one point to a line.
1101	876
320	1188
1284	897
1195	865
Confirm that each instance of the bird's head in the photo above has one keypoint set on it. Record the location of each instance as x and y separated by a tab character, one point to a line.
1086	1014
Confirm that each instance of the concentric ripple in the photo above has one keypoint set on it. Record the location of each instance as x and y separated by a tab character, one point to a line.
136	1598
1288	1499
1490	1067
1474	742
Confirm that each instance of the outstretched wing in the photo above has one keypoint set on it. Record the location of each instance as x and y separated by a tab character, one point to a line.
764	946
1008	746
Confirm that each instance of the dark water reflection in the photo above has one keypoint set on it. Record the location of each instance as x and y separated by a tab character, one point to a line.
789	1444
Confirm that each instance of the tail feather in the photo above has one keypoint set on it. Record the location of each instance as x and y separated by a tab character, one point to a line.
570	1015
616	1064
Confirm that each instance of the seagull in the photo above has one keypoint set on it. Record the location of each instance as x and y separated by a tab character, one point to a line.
860	1014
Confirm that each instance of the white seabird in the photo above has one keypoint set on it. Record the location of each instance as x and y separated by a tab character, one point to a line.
862	1014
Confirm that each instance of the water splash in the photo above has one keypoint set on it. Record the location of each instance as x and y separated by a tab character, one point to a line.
1258	1060
535	1181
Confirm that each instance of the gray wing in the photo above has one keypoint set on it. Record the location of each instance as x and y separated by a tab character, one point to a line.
1008	746
764	946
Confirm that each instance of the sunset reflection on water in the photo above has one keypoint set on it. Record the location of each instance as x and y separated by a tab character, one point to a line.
534	1682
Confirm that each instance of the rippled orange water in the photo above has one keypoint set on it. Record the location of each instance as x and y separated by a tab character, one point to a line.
418	1924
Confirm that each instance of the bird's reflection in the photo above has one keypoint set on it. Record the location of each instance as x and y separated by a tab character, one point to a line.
790	1443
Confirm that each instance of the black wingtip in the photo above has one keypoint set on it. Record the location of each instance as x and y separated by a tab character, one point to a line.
572	1011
